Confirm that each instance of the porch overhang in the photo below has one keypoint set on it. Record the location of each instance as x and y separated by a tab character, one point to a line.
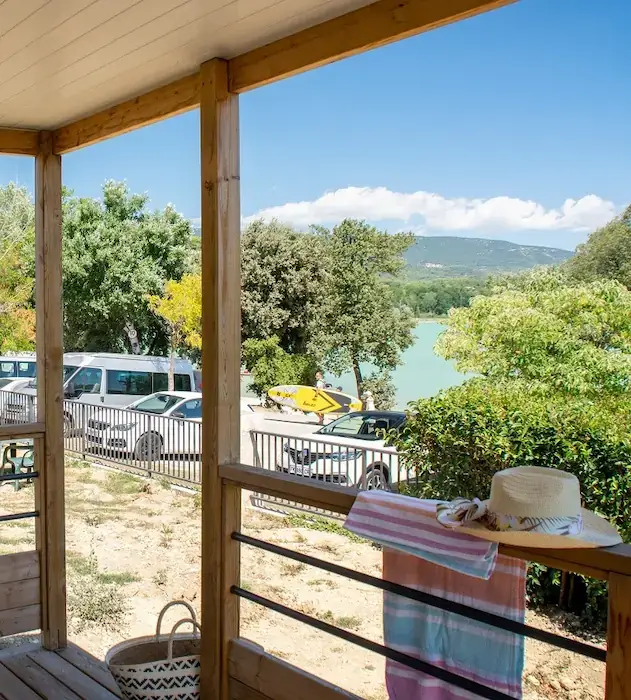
91	70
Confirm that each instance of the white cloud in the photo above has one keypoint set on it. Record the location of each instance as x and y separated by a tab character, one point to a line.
439	213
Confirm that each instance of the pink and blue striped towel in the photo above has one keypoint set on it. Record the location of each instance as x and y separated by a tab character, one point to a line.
423	555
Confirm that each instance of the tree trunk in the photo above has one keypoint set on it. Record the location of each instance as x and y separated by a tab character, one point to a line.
171	366
358	377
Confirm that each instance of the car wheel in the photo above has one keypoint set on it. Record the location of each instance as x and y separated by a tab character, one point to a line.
377	479
148	447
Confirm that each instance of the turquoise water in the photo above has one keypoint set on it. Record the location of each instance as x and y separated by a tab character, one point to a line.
421	374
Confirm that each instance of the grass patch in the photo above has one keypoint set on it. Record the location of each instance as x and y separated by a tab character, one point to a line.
94	597
164	482
20	539
89	566
317	522
329	583
345	622
166	535
288	569
122	483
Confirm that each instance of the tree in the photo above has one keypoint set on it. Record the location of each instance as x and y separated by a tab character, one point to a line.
17	255
115	255
180	307
574	339
606	254
359	322
271	366
283	282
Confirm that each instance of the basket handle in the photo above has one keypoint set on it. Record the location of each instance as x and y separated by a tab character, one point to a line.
170	605
196	627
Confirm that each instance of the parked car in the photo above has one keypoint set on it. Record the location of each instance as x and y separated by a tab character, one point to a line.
165	423
351	450
16	406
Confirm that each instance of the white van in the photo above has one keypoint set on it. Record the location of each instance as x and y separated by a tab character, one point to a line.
17	366
113	379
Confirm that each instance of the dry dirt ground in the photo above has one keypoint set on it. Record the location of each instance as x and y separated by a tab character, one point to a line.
134	544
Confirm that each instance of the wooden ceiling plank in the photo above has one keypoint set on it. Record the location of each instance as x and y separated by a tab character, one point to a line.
373	25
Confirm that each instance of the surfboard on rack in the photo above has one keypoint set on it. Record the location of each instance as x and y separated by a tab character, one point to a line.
312	400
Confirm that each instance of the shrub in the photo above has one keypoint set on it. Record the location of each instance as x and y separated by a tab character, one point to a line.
454	442
271	366
382	388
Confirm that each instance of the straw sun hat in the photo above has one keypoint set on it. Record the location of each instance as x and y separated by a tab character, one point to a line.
530	506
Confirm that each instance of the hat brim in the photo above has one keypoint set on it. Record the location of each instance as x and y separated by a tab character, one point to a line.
597	532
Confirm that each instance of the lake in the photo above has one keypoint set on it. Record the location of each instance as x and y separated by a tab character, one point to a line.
421	374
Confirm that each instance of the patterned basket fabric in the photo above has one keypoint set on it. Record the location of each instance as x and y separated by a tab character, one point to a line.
169	680
159	668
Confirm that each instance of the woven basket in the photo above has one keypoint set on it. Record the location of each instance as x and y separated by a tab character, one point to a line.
160	667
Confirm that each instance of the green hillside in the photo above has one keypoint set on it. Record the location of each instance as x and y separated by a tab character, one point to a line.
451	256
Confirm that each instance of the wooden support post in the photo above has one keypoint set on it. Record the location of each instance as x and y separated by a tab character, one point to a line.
618	677
221	360
50	460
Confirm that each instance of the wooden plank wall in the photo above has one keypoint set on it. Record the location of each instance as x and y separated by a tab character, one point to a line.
20	609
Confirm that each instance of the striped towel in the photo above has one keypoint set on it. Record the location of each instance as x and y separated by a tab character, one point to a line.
423	555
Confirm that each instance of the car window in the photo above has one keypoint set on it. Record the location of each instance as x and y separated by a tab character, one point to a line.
26	369
363	427
191	409
7	369
69	370
158	404
129	383
348	426
86	381
182	382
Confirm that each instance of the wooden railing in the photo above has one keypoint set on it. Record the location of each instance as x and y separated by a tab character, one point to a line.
612	564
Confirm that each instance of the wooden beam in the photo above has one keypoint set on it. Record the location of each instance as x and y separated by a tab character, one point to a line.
374	25
49	451
167	101
221	360
598	562
270	677
22	432
18	142
618	674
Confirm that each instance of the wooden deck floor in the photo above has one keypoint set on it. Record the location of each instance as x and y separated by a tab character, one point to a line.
69	674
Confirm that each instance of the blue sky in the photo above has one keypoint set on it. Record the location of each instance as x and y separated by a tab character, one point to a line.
513	125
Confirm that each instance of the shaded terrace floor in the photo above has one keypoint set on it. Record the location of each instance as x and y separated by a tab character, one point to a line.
69	674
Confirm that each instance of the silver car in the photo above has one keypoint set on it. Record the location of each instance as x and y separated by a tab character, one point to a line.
352	450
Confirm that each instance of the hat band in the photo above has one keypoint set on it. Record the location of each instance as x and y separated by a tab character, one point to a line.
461	511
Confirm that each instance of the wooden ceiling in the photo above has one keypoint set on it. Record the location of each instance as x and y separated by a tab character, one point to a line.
78	67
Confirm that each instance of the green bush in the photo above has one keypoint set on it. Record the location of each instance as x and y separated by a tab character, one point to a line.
271	366
454	442
382	388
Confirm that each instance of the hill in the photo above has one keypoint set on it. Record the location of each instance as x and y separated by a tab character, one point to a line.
452	256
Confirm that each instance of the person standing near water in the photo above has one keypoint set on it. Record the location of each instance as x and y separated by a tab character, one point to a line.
320	386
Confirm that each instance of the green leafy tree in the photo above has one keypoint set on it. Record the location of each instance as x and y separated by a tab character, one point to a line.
17	256
606	254
573	339
359	322
271	366
116	254
180	306
283	283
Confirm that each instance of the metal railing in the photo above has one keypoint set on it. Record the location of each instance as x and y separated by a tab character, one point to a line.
350	465
152	444
610	564
141	442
